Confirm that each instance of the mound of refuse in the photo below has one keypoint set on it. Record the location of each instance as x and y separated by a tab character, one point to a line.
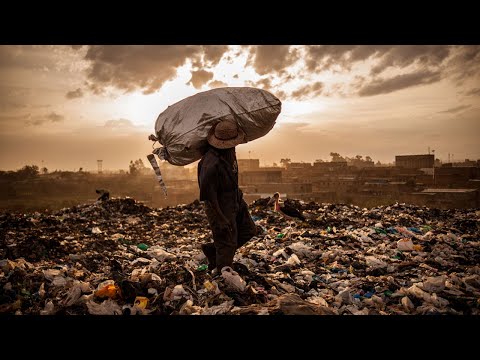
120	257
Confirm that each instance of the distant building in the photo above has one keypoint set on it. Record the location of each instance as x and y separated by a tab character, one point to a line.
415	161
298	165
456	176
248	164
329	166
259	177
446	198
468	163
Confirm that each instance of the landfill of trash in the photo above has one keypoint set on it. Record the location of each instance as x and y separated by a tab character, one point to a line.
119	257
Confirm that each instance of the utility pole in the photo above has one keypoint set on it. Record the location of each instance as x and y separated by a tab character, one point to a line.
433	151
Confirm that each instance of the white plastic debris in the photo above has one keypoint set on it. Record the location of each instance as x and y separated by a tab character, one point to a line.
152	291
73	295
49	309
434	284
160	254
344	297
141	260
189	309
96	230
108	307
293	260
280	252
300	249
407	304
59	281
218	309
318	300
176	293
405	244
373	262
41	290
133	220
50	274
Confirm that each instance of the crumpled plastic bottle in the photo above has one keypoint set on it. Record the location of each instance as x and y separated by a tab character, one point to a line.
142	246
202	267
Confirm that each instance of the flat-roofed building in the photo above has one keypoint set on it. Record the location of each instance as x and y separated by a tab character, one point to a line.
414	161
248	164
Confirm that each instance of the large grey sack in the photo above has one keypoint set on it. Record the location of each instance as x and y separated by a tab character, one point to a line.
183	127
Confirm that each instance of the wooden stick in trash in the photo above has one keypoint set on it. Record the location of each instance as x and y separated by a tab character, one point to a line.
158	174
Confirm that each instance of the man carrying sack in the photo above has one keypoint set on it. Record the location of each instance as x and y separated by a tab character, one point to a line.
226	211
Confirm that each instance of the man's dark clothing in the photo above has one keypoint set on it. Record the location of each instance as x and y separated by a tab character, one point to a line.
219	179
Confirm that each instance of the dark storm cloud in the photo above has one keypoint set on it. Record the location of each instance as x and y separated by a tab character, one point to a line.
216	84
455	109
145	67
200	77
265	83
214	53
465	65
322	57
309	91
74	94
266	59
280	94
425	63
399	82
406	55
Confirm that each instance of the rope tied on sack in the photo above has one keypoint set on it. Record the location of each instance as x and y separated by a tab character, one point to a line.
162	154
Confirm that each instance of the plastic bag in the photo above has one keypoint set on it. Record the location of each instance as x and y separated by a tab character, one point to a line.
232	279
49	309
108	307
160	254
183	127
218	309
434	284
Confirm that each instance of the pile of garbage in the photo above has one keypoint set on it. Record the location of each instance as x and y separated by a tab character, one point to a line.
120	257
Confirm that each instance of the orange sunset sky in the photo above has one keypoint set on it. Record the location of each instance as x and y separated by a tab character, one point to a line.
71	105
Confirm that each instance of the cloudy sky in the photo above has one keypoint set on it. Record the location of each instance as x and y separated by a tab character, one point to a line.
64	107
